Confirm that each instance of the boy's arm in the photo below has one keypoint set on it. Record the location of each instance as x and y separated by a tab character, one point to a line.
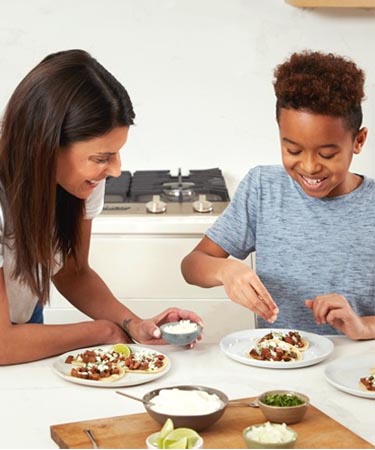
202	266
208	265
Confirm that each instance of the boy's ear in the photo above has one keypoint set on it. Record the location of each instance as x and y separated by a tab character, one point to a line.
359	140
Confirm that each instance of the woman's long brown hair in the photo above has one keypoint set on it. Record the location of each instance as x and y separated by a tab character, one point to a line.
68	97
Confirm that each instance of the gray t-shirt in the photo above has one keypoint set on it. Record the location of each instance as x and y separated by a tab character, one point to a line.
304	246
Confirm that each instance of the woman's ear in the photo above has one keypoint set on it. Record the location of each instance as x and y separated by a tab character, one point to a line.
359	140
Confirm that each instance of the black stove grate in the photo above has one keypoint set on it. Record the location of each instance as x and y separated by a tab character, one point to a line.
140	187
117	189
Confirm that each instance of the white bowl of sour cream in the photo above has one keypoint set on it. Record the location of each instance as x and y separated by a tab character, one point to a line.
190	406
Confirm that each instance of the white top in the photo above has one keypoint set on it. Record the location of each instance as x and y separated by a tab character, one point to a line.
22	301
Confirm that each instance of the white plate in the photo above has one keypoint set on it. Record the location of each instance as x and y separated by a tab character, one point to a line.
129	379
344	374
237	346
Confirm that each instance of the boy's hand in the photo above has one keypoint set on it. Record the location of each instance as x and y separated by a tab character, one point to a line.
335	310
243	286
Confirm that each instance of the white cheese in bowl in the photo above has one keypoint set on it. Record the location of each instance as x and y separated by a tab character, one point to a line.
183	326
181	402
270	433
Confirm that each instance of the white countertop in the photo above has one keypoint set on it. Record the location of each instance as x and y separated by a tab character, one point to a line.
33	397
118	223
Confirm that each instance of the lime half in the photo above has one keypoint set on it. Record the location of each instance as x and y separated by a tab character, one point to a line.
180	443
156	441
166	428
181	438
123	349
191	441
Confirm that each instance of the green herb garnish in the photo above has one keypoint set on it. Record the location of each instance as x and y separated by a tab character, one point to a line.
283	400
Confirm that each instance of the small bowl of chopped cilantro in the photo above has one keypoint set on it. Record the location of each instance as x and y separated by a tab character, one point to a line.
283	406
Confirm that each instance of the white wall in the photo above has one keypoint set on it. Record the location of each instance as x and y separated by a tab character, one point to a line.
199	71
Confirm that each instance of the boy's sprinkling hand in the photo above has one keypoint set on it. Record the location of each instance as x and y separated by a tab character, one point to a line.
243	286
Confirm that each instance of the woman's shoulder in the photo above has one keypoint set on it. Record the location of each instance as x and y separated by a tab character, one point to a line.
94	204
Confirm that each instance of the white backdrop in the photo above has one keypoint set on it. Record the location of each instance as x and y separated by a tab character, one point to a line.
199	72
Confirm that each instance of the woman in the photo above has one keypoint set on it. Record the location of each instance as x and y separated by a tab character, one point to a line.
61	136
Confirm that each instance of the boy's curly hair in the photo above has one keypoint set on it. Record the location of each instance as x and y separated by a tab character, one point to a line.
321	84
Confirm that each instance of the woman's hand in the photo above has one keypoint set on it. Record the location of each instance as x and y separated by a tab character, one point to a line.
243	286
335	310
147	331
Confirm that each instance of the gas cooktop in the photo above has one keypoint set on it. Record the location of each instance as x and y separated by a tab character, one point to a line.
161	192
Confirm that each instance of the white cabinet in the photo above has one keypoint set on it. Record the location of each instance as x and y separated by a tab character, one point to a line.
146	266
140	258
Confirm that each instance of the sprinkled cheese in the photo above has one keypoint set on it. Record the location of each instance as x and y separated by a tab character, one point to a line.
102	367
183	326
277	335
272	344
146	357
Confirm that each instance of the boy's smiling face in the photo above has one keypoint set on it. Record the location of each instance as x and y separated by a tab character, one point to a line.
317	151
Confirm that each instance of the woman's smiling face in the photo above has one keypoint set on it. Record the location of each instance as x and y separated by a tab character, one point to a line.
317	151
82	165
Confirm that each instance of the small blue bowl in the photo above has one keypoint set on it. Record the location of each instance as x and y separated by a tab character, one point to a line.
179	338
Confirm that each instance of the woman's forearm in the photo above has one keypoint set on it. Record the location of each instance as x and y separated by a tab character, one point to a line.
29	342
88	293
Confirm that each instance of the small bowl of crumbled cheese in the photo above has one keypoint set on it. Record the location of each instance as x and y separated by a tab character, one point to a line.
190	406
183	332
269	435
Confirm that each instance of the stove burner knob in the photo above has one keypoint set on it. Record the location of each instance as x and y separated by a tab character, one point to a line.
156	206
203	205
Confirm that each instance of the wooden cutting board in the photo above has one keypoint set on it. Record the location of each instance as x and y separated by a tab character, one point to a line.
317	430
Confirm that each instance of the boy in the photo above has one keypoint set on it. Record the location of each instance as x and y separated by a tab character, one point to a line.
311	222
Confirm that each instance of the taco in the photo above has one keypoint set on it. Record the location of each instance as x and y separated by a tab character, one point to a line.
139	361
291	337
367	383
108	372
88	356
97	364
146	362
95	356
275	350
